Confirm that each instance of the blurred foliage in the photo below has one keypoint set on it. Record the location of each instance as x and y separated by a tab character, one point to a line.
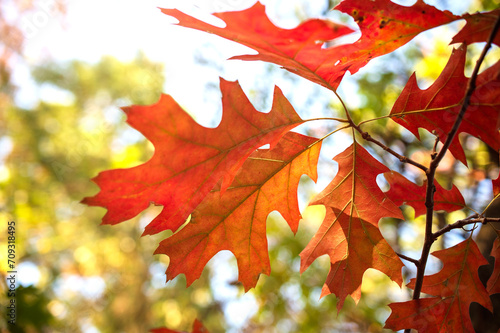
88	275
32	310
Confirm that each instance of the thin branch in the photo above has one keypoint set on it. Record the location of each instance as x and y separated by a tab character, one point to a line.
402	256
462	223
367	137
434	149
471	86
400	157
429	201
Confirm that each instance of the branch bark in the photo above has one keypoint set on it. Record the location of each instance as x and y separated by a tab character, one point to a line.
430	237
462	223
400	157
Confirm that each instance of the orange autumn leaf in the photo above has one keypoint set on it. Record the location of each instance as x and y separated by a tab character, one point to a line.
478	28
454	288
189	159
354	245
496	186
385	26
493	285
405	192
437	107
236	219
349	233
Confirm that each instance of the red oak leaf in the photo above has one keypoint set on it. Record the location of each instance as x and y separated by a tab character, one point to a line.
294	49
490	210
236	220
197	328
405	192
349	234
354	245
425	315
437	107
478	28
455	287
384	25
189	159
496	186
493	285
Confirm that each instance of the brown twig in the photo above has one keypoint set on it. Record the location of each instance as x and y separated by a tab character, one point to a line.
402	256
368	137
400	157
462	223
434	149
429	202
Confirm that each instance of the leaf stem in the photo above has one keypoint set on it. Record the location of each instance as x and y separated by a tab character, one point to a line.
436	159
349	119
341	120
374	119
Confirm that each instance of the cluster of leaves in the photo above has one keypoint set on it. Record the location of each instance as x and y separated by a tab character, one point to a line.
217	185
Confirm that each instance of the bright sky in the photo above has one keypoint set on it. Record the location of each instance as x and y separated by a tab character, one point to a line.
95	28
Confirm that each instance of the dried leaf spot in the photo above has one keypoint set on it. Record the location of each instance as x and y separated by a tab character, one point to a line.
357	16
383	23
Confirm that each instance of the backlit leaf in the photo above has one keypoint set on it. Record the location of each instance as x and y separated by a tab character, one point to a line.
493	285
405	192
189	159
454	288
236	220
349	234
385	26
478	28
436	108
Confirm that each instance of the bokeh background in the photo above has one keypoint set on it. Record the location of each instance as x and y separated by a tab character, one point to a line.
66	68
